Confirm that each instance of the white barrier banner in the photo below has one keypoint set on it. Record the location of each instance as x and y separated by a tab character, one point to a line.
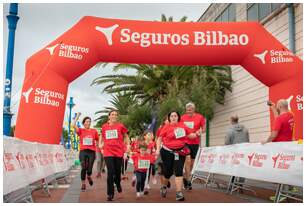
279	162
26	162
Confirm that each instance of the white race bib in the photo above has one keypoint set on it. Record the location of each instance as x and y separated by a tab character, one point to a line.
179	133
111	134
87	141
189	124
143	164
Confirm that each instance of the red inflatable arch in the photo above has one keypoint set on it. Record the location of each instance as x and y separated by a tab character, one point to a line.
93	39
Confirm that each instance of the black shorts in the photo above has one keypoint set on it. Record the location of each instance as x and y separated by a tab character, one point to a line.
193	150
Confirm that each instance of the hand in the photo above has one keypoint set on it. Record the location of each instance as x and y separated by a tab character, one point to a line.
263	142
101	146
78	115
270	103
192	135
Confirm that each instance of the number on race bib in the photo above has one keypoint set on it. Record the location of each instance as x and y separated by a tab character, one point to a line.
179	133
189	124
87	141
143	164
111	134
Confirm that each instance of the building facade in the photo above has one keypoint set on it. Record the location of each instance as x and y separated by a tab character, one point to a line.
249	96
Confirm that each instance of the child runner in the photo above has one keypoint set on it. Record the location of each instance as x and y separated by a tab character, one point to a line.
141	163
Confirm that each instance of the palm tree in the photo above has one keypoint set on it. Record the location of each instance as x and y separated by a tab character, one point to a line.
119	102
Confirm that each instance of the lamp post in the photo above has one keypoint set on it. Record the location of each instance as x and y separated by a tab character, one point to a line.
12	23
70	104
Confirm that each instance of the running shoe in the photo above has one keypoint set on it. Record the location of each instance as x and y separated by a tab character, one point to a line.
83	188
90	181
185	183
138	194
163	191
154	181
110	197
148	186
281	199
179	196
146	192
189	186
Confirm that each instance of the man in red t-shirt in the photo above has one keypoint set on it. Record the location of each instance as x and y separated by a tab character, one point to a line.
195	122
282	130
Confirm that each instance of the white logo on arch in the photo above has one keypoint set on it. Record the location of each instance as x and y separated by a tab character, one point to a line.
108	32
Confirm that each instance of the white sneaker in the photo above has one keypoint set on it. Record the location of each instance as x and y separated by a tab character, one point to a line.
148	186
141	193
138	194
154	181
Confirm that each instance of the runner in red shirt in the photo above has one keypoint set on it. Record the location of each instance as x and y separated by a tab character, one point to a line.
282	130
141	165
158	146
149	140
173	152
88	140
195	122
114	137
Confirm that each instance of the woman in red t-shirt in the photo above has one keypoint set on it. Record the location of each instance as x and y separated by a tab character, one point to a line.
151	147
88	140
114	137
173	152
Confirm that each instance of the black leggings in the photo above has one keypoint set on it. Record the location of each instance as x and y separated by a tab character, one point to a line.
113	165
140	181
87	158
170	165
152	170
124	165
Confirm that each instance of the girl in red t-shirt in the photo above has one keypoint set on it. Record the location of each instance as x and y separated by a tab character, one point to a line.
141	163
87	155
114	137
151	149
173	152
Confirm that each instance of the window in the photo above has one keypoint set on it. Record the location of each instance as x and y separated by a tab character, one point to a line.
228	14
257	12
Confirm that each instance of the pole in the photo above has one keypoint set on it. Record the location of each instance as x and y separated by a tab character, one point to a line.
12	23
70	104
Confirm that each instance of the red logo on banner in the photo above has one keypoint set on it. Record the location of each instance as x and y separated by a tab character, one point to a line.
280	161
7	158
223	158
21	160
255	159
30	160
59	157
211	158
236	158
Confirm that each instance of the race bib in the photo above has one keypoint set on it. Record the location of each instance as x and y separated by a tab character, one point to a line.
179	133
111	134
87	141
143	164
189	124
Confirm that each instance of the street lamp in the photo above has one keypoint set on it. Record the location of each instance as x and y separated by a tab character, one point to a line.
12	23
70	104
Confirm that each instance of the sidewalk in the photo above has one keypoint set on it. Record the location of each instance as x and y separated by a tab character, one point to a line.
97	193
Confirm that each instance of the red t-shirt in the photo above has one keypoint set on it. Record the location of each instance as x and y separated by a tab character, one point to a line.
113	138
175	135
141	162
88	138
284	124
194	122
151	146
158	131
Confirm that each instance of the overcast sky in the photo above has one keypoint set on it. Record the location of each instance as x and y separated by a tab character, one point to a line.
39	24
